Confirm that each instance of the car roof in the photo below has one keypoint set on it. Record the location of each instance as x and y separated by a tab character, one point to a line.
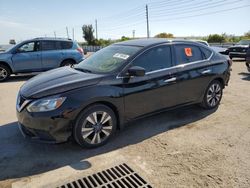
146	42
52	38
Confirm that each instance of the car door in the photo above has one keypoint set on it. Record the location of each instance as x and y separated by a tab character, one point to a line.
157	89
194	71
27	57
51	54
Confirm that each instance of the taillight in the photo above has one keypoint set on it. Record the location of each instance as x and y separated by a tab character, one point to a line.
80	50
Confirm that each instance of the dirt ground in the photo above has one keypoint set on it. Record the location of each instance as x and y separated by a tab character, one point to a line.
188	147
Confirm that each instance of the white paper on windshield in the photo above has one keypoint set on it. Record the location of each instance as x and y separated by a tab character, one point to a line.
121	56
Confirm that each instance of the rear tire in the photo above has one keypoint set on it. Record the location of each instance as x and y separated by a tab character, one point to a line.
4	73
67	63
213	95
95	126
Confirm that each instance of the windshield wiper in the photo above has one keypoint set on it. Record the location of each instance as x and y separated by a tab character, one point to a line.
82	69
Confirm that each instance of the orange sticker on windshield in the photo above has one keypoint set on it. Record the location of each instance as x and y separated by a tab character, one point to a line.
188	52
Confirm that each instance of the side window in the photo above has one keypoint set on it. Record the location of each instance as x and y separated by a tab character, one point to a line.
66	44
206	52
154	59
48	45
28	47
187	53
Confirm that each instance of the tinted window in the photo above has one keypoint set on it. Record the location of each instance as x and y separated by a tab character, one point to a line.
188	53
206	52
154	59
66	44
48	45
28	47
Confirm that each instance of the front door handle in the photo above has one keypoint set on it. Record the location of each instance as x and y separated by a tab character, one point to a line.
206	71
173	79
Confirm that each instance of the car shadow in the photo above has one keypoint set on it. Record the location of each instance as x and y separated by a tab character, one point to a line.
239	60
20	78
246	76
21	158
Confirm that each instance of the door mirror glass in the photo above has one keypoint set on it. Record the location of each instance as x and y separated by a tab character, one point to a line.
136	71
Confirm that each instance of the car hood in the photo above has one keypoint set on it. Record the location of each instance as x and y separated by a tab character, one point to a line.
57	81
4	55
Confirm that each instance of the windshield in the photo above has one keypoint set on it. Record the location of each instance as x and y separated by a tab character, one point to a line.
108	59
244	42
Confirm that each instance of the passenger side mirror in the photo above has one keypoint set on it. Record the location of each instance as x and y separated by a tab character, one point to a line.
136	71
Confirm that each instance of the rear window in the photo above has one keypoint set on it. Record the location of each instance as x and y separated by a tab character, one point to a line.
66	44
206	52
187	53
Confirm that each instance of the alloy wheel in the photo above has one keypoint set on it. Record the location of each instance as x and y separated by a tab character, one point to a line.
97	127
3	73
214	94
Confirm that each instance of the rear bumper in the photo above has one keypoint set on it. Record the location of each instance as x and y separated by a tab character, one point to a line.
237	54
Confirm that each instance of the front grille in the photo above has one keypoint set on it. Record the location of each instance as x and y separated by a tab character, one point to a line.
121	176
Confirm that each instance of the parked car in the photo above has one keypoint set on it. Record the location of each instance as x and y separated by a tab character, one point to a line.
239	50
120	83
248	59
202	42
39	54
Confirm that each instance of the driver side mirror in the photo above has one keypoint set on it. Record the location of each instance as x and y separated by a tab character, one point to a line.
136	71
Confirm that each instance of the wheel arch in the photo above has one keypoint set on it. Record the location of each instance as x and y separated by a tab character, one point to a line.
7	65
221	80
68	59
111	106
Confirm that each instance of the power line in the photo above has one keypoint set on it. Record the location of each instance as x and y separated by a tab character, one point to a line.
194	8
208	13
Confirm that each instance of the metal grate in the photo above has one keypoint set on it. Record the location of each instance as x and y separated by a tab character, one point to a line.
121	176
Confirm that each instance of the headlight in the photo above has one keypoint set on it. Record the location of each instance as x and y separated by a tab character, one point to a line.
44	105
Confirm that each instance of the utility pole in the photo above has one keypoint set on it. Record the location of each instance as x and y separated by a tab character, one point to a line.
133	33
73	34
147	21
55	34
67	31
96	35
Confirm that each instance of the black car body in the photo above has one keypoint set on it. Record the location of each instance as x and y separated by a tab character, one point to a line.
158	74
239	50
248	59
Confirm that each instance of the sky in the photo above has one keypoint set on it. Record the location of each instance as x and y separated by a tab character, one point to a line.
25	19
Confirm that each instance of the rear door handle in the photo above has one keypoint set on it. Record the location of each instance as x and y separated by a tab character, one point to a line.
173	79
206	71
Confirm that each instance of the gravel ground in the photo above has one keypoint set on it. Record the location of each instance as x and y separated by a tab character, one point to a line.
188	147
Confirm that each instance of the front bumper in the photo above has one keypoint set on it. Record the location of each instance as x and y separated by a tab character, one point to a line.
43	127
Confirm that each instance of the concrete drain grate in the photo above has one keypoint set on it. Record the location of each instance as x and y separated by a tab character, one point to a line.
121	176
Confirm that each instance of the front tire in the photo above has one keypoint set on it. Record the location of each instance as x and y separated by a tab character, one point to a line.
213	95
4	73
95	126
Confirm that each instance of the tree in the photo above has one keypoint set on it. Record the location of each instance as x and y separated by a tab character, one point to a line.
216	38
247	34
88	34
123	38
164	35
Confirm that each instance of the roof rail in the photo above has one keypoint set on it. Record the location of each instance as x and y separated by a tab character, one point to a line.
52	38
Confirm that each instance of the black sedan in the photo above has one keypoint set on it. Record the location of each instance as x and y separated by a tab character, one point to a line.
239	50
120	83
248	59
